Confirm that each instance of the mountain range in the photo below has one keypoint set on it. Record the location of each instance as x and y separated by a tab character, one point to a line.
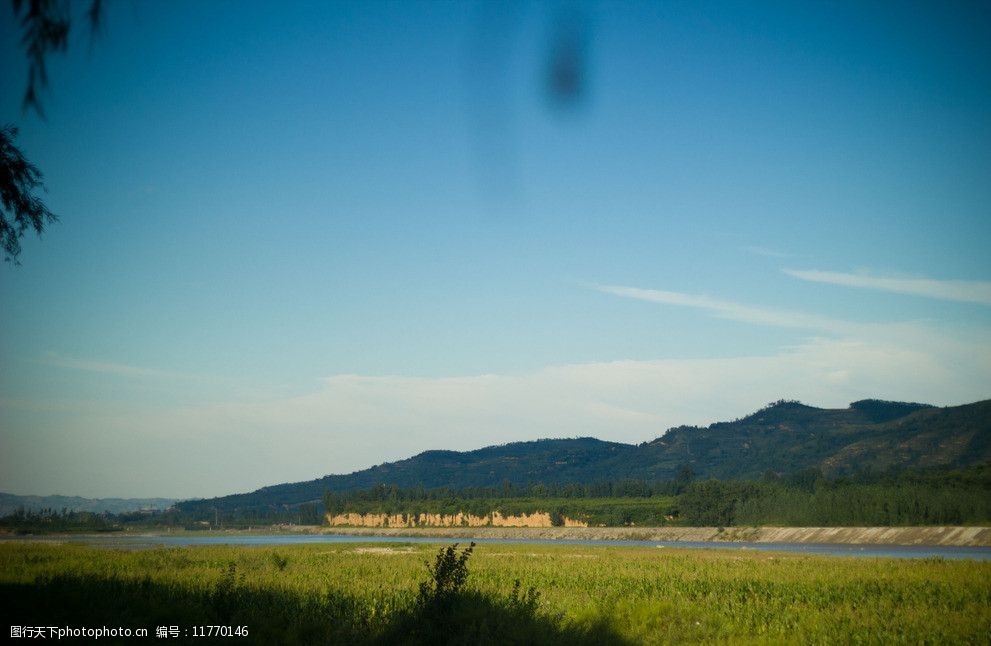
9	503
783	437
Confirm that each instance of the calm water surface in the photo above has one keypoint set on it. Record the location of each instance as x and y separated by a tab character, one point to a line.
885	551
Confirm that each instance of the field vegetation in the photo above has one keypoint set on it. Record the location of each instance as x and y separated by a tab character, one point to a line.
368	593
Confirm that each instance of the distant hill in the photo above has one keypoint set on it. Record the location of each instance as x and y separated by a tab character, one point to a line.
783	437
10	503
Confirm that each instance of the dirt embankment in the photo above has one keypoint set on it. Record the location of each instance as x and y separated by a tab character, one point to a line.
495	519
949	536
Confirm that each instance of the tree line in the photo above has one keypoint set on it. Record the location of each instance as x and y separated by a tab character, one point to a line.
804	498
44	521
808	499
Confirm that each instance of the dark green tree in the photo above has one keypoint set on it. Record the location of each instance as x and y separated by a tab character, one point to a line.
45	26
20	207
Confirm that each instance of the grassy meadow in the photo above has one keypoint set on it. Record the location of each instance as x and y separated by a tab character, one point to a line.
363	593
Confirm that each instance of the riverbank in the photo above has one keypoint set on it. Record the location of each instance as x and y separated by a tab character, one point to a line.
906	536
942	536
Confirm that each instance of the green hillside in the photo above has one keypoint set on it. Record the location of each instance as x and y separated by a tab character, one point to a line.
784	437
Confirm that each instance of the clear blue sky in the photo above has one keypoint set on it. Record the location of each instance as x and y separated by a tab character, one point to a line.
305	239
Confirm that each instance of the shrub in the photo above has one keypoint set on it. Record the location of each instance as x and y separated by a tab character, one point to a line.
447	576
280	561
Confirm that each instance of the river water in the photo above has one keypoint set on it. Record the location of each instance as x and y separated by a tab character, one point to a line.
875	551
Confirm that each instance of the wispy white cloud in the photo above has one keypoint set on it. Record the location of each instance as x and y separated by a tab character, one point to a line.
112	368
965	291
731	310
903	334
350	422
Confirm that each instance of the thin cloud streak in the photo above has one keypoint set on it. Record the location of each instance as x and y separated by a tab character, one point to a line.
733	311
111	368
964	291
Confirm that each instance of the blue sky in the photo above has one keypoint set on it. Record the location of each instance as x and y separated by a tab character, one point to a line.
305	240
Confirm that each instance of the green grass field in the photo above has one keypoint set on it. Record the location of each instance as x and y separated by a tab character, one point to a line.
348	593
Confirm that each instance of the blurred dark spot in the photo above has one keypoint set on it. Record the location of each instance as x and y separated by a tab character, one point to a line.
566	81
